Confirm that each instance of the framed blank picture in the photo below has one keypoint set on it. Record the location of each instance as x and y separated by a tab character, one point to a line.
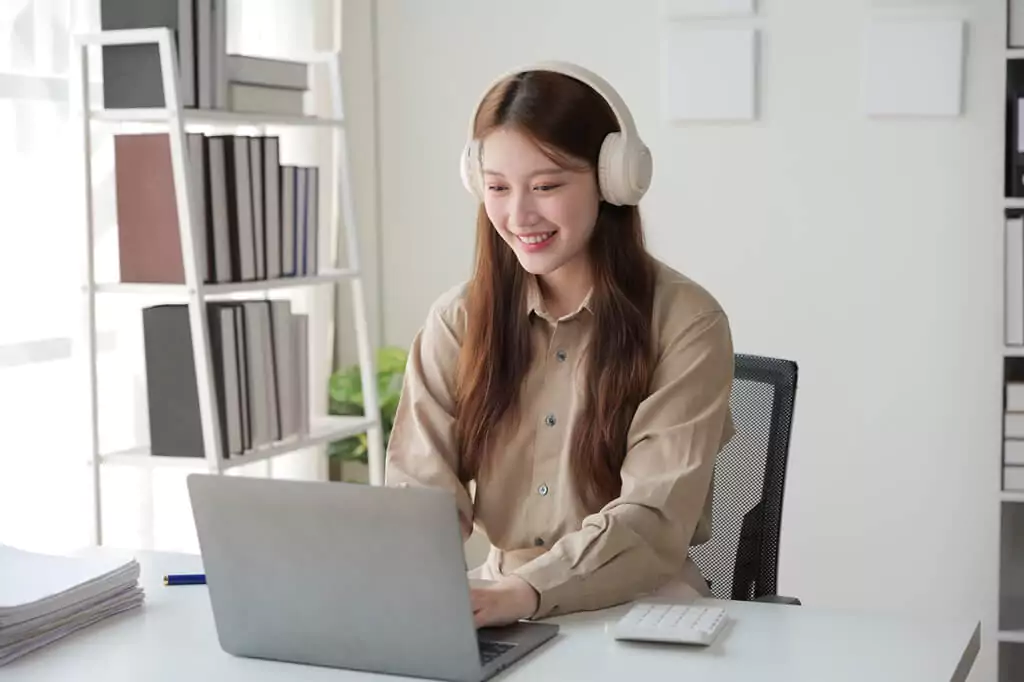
708	73
913	67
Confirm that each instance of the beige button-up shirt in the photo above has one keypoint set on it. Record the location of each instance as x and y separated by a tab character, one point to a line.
576	558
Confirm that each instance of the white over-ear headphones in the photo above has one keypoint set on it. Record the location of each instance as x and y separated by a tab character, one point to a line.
624	165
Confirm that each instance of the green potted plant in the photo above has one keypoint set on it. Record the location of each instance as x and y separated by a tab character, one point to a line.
346	398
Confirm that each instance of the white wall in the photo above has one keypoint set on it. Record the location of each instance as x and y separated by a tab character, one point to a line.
868	251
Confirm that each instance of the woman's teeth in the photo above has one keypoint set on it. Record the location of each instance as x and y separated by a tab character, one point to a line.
535	238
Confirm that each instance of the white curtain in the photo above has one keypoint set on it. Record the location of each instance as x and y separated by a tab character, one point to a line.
45	481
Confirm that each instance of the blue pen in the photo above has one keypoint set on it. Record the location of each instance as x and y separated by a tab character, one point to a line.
185	579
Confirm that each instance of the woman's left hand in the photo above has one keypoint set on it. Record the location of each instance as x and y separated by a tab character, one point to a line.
506	601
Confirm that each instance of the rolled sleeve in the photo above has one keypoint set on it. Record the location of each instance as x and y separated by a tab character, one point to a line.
422	449
640	540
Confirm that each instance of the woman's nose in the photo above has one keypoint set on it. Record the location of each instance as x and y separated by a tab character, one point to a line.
523	211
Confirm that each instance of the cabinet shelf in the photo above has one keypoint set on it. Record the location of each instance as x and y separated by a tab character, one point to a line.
211	117
323	430
215	290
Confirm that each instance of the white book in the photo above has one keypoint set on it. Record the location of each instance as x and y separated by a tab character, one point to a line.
264	100
258	70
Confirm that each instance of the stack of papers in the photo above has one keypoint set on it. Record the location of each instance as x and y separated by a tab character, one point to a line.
45	597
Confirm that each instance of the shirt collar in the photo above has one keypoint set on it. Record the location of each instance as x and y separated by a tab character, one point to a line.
535	302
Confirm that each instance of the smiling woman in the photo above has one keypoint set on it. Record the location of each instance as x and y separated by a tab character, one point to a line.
545	214
580	384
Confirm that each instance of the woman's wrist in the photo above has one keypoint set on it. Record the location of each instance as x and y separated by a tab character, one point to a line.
528	597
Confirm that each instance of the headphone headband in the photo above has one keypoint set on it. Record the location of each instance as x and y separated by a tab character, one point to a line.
586	76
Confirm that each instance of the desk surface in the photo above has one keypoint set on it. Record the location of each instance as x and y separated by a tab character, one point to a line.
172	638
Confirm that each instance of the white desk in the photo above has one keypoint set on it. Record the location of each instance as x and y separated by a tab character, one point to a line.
172	638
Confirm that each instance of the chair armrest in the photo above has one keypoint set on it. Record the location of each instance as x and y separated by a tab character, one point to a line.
778	599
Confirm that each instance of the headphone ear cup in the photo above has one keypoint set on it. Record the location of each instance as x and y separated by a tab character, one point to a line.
624	170
469	168
640	169
610	165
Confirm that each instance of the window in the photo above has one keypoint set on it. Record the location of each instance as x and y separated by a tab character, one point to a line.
43	479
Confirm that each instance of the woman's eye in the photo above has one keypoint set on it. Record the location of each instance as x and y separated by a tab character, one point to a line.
546	188
495	188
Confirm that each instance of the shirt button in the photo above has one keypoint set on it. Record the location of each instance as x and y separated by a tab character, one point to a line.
561	356
549	420
538	542
543	489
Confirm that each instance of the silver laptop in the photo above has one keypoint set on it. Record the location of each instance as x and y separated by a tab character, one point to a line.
346	576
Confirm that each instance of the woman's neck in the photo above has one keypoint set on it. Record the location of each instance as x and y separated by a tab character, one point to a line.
565	289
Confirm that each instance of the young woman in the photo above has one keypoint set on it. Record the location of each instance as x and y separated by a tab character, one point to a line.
579	384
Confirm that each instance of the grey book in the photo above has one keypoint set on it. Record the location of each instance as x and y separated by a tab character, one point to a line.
272	195
257	344
289	181
258	205
175	426
219	237
131	73
287	381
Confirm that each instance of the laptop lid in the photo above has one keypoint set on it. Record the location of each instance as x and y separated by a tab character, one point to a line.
335	574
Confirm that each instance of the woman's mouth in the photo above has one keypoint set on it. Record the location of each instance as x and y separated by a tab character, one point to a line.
536	240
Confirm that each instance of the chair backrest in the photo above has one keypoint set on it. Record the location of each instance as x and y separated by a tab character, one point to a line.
741	559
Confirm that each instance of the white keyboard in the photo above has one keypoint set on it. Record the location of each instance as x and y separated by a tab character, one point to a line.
674	623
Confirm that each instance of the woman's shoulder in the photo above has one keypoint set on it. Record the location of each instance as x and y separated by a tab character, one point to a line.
682	294
680	301
449	308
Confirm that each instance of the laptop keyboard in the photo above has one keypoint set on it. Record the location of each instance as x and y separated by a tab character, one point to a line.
490	650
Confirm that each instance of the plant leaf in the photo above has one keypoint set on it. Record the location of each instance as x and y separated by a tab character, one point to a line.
391	360
346	387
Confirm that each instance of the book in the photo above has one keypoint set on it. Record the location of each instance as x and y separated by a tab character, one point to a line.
131	73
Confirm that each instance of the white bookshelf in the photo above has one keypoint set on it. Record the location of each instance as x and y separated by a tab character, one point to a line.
176	120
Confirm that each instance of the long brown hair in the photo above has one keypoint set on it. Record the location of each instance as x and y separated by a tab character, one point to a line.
568	121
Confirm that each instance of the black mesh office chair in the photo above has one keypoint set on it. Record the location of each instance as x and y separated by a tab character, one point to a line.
741	559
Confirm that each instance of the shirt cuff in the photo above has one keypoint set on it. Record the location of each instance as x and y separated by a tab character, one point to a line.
558	588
